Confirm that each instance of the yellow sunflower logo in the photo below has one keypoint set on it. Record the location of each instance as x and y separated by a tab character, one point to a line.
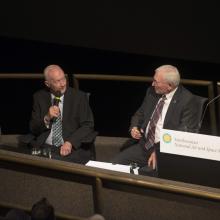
167	138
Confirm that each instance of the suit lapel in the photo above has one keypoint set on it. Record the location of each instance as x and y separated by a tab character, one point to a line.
153	102
68	100
48	101
172	106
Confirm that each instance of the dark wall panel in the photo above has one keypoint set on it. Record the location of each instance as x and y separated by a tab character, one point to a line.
185	30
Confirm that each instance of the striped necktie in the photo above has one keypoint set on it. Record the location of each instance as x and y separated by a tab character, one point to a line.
57	132
57	139
153	122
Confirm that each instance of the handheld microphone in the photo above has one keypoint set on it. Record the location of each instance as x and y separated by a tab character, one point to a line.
207	105
57	99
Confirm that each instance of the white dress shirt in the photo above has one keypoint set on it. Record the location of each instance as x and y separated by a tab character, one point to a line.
160	122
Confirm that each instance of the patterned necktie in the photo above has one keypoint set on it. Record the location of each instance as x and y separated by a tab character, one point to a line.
153	122
57	139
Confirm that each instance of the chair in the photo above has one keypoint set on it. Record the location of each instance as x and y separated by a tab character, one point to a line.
200	108
90	139
89	143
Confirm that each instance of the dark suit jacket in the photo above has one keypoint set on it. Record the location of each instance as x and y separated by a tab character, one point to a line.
181	113
77	120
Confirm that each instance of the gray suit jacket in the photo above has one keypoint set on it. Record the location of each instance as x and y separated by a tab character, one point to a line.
181	114
77	119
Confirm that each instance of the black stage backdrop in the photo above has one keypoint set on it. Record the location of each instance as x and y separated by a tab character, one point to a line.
176	29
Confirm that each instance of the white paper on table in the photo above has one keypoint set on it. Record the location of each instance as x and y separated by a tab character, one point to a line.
110	166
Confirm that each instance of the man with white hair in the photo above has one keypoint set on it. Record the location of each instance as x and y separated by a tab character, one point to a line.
167	104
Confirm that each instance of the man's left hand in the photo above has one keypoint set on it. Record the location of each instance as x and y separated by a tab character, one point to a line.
152	161
66	149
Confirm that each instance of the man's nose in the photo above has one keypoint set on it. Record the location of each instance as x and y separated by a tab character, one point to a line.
62	84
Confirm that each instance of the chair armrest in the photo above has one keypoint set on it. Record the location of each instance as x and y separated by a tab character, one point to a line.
90	137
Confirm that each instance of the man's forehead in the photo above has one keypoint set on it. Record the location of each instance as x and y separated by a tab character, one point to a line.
158	74
55	73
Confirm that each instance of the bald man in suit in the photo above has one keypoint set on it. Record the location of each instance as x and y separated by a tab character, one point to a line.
76	114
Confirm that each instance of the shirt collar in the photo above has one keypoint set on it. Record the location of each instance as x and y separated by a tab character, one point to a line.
171	94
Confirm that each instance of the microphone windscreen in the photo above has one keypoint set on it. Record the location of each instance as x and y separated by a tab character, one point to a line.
57	94
56	99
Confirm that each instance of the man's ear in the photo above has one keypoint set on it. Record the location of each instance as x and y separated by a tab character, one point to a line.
170	87
47	83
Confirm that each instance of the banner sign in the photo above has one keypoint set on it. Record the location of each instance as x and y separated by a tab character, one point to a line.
190	144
